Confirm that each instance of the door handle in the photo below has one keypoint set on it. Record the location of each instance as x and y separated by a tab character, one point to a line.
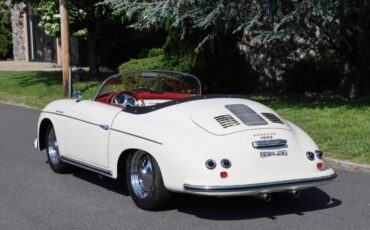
105	127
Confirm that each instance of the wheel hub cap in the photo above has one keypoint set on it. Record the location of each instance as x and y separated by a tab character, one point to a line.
141	174
53	149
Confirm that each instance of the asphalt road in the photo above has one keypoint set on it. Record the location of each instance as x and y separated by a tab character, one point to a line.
33	197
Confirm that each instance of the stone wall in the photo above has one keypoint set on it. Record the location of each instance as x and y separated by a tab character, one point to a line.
18	32
45	48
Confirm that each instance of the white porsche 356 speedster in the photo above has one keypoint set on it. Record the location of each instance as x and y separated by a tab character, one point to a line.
156	130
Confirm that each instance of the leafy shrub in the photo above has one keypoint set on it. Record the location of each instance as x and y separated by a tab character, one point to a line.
149	63
5	34
155	52
156	59
5	43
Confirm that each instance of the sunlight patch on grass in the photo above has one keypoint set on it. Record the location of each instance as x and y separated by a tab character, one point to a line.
37	89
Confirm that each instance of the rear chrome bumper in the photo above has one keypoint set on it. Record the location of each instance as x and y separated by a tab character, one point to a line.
269	186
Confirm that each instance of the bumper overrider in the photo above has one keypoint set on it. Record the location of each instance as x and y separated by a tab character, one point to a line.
274	186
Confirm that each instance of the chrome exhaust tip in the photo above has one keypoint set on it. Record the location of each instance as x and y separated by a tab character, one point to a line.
266	197
295	193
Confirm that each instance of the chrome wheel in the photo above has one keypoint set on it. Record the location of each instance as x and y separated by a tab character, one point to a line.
141	174
53	150
145	181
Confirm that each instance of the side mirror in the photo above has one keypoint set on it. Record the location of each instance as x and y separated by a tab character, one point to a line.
77	95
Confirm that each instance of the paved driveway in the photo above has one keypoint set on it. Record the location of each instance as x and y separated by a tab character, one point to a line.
28	66
38	66
33	197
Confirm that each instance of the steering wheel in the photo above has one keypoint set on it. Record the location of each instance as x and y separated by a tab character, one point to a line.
126	98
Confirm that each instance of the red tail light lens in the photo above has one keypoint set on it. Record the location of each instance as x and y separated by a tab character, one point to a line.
320	166
223	174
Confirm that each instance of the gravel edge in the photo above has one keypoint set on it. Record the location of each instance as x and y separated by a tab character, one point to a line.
347	165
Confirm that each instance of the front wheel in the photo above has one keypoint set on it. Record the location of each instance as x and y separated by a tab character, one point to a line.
145	181
52	151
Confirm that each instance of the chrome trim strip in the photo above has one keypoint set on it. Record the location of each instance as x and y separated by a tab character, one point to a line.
105	127
86	166
237	188
74	118
99	125
144	138
269	143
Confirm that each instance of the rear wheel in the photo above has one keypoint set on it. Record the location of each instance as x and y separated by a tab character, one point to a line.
145	181
52	151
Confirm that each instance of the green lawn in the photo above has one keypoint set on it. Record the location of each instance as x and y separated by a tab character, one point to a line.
36	89
341	129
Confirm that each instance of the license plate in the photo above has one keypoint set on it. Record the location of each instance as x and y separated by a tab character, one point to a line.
265	154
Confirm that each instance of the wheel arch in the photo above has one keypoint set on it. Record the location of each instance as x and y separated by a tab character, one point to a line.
42	132
121	163
157	195
122	160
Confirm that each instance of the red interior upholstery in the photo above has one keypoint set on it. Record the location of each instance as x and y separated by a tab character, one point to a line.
162	95
104	99
149	96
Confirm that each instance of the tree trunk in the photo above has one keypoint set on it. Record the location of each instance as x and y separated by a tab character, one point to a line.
357	59
349	83
92	49
92	56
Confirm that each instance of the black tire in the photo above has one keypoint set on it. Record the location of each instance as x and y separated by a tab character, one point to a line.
148	194
52	151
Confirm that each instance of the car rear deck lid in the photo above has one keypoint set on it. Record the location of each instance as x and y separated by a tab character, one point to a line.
227	116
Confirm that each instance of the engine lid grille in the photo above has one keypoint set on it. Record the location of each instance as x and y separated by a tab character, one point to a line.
247	115
226	121
273	118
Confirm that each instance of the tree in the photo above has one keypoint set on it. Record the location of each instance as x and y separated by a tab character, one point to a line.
354	45
5	34
86	21
288	28
190	45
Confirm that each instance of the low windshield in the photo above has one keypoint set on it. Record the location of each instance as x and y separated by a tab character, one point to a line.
152	81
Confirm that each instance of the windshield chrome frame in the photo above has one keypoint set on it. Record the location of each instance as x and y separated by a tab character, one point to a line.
148	71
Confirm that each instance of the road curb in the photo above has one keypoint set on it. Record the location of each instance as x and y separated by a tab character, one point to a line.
19	105
347	165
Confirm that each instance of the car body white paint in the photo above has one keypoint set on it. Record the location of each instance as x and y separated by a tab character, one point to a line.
181	138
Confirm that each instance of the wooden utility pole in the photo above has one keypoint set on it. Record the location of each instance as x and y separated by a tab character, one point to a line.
64	25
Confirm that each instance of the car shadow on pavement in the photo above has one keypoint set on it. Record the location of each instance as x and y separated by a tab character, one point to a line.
228	208
241	207
117	186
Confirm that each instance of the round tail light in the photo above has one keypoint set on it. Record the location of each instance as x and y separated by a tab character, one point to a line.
210	164
226	163
310	156
319	154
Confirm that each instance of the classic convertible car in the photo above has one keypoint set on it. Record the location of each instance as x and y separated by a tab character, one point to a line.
156	130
